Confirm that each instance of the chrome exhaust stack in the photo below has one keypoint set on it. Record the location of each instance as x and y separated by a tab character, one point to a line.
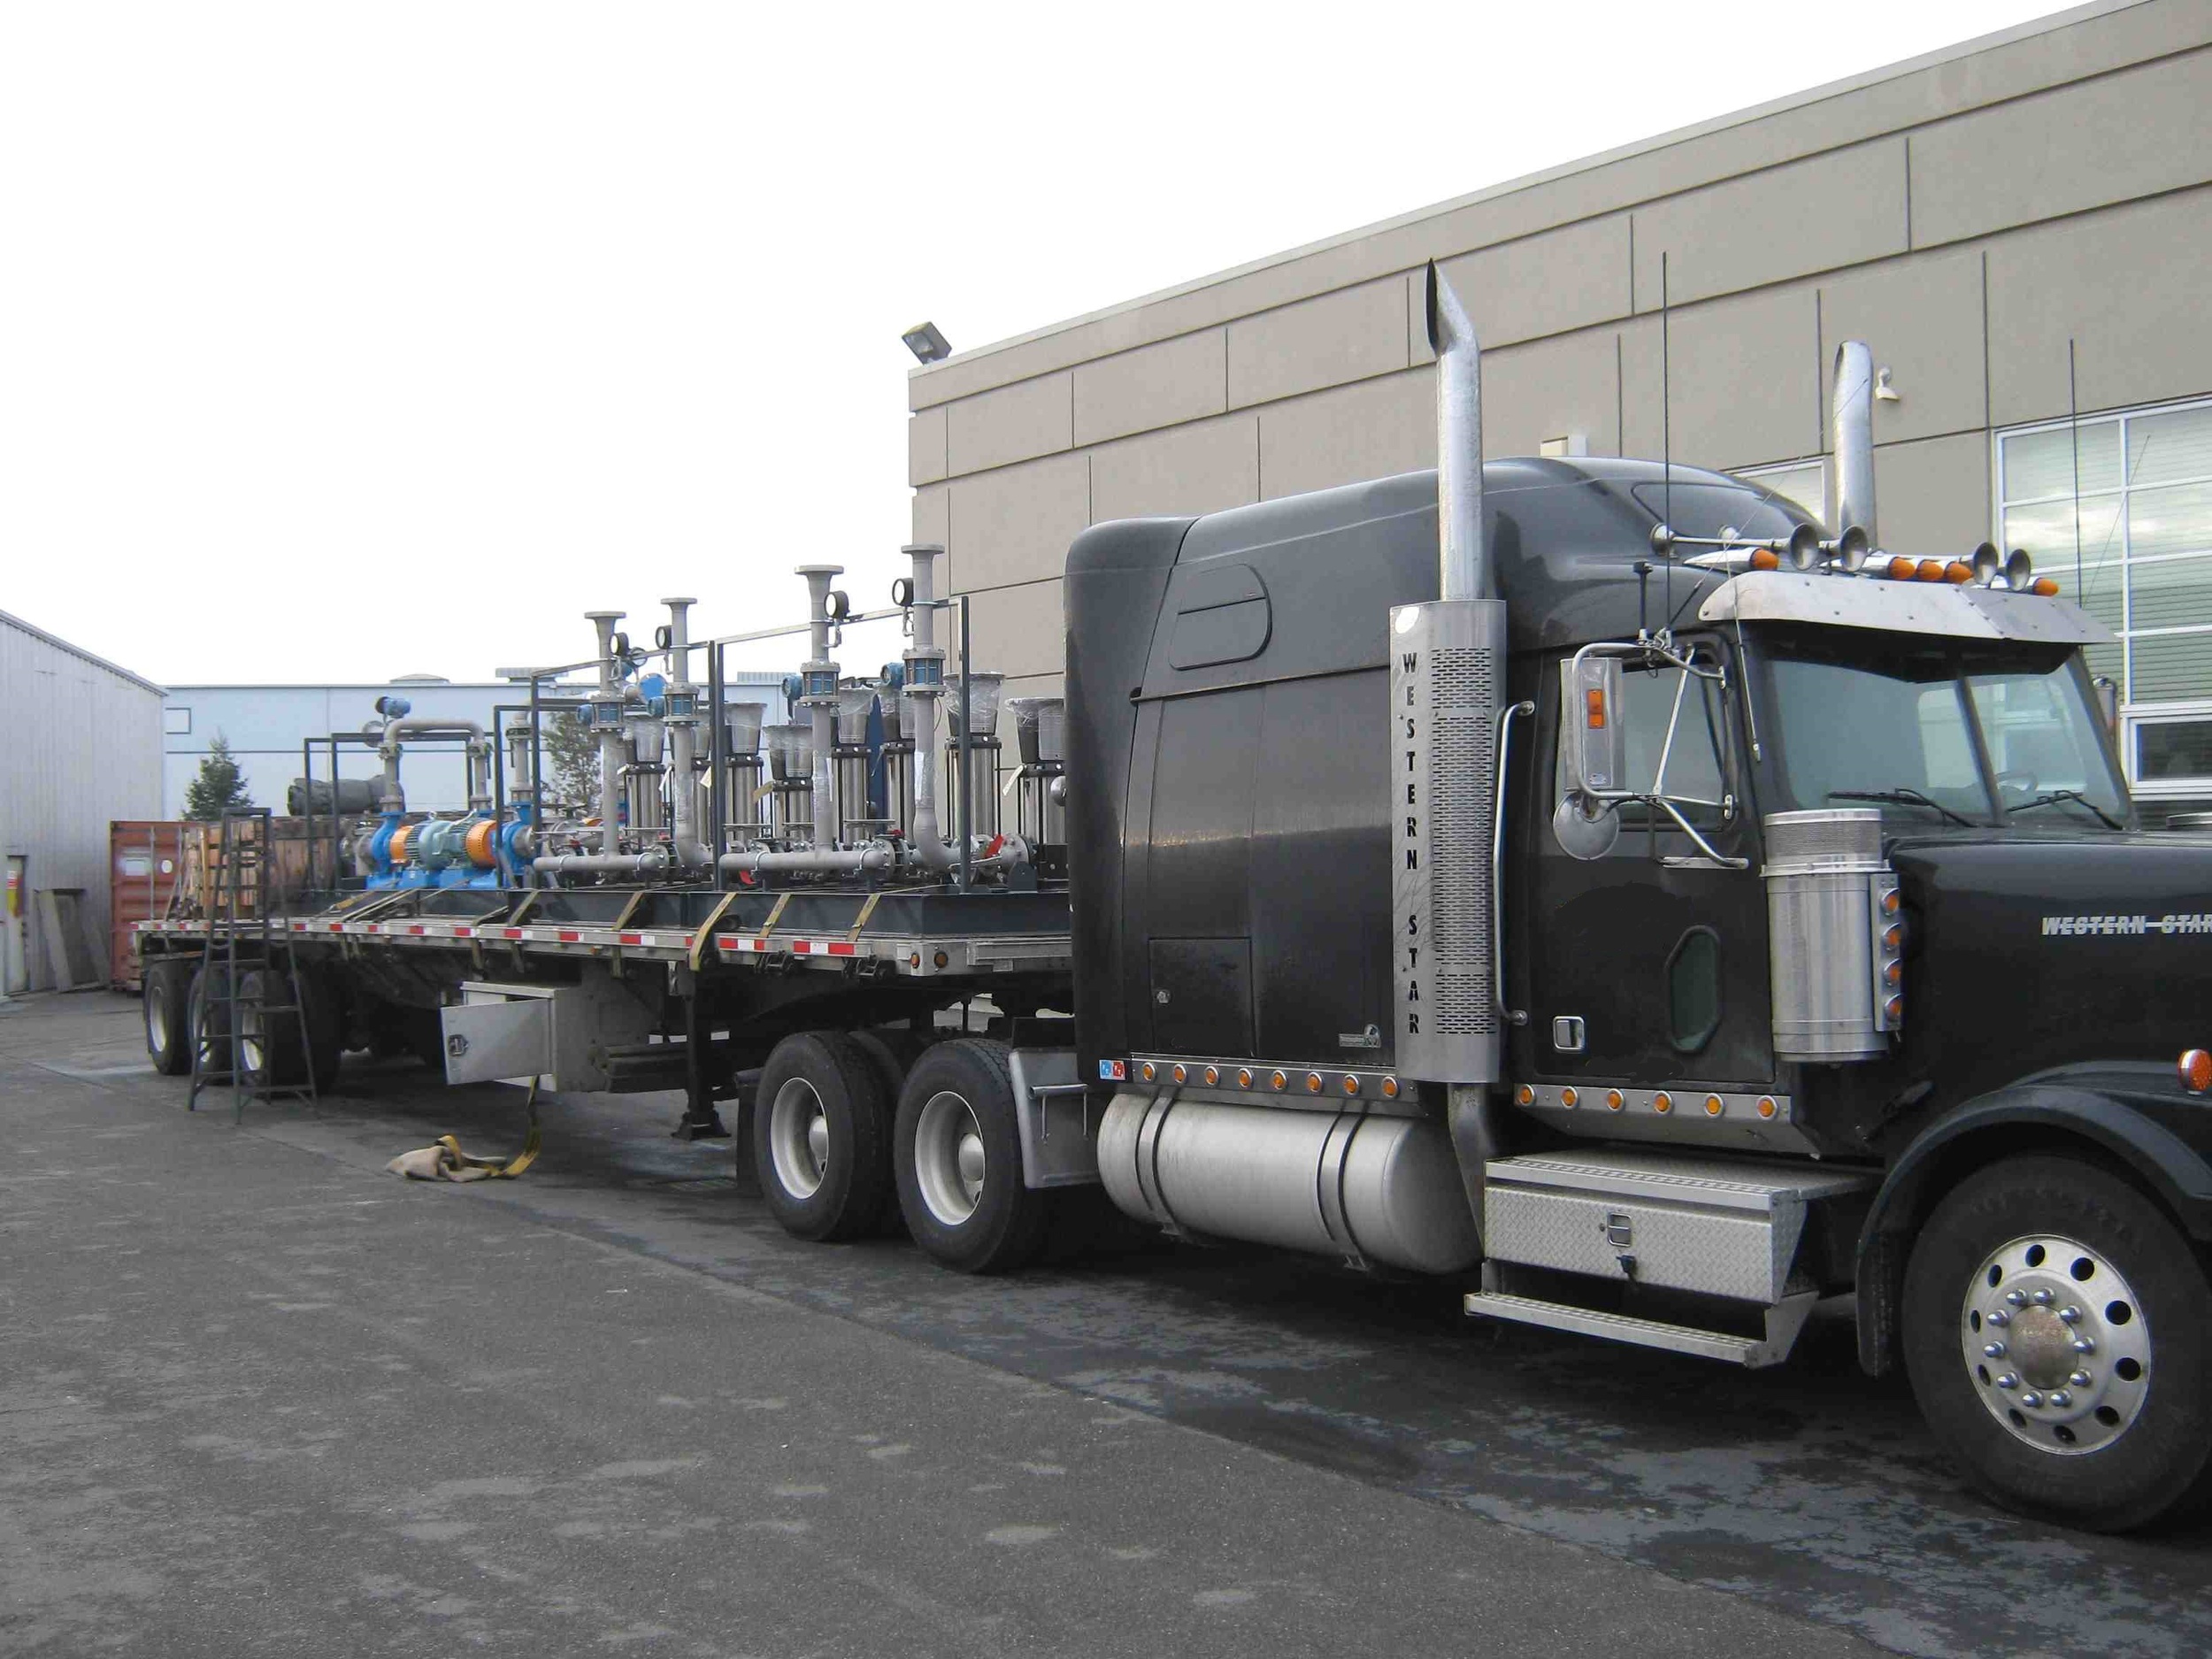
1851	436
1463	558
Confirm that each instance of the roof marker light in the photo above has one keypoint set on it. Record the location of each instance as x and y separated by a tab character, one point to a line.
1930	569
1958	572
2044	586
1765	558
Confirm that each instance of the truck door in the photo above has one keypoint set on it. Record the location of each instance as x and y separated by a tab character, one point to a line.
1648	958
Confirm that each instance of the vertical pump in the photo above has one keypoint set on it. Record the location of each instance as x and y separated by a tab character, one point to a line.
606	721
818	696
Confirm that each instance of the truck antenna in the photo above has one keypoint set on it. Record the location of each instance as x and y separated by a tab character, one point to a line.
2073	421
1666	443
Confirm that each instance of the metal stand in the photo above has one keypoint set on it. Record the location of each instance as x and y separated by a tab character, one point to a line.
244	854
701	1121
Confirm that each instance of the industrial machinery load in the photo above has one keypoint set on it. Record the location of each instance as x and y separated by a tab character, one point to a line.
1590	881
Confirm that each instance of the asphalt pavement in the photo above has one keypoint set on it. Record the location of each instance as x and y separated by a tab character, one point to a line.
259	1396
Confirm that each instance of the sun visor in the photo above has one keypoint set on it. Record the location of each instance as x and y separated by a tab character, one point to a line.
1954	610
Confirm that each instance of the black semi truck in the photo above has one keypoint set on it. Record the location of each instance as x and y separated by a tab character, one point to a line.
1589	881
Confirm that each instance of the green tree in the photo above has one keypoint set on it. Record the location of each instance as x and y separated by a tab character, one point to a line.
574	750
217	785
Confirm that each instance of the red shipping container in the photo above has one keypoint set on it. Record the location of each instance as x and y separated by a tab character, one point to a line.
145	865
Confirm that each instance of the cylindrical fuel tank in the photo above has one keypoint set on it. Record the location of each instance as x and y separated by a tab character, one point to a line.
1343	1184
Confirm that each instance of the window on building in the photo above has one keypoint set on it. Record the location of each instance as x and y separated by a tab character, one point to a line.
2119	508
176	722
1803	483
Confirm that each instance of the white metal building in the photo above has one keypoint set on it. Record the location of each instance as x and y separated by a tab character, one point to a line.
83	748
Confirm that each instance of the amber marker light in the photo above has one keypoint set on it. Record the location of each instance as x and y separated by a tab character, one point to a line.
1765	558
1958	571
1593	709
1313	1082
1567	1097
1894	936
1615	1099
1930	569
1351	1083
2046	586
1150	1070
2196	1071
1663	1103
1894	974
1893	1010
1390	1088
1892	901
1180	1075
1898	570
1213	1075
1244	1077
1279	1081
1525	1095
1712	1106
1767	1107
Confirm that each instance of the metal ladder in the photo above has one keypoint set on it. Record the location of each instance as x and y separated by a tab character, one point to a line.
246	840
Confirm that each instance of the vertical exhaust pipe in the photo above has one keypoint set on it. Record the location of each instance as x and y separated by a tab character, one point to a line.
1463	560
609	734
820	699
1851	414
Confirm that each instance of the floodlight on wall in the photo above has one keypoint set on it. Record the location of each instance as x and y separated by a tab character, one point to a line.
926	343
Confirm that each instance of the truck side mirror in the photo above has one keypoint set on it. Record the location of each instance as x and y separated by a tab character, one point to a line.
1591	745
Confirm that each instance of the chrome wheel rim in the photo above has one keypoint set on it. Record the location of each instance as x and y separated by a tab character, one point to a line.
949	1163
798	1138
2056	1346
250	1029
157	1019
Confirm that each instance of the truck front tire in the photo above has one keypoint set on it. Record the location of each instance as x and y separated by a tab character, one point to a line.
167	992
821	1127
957	1149
2057	1328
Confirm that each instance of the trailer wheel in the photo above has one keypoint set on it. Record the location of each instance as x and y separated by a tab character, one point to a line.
889	1053
820	1126
167	998
326	1027
208	1019
2057	1331
270	1050
957	1150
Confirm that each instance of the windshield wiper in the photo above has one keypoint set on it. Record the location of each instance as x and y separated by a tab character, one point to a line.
1900	797
2052	796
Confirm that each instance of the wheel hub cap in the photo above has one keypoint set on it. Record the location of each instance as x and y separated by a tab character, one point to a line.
798	1138
949	1161
2056	1346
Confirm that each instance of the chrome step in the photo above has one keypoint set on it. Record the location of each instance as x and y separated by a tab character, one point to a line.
1783	1321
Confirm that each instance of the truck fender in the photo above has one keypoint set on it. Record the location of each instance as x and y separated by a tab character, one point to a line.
2049	1113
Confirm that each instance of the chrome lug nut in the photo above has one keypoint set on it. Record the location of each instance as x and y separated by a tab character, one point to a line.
2041	1298
2083	1345
1993	1350
2080	1380
2032	1399
2061	1399
2010	1380
1998	1317
2071	1315
2018	1298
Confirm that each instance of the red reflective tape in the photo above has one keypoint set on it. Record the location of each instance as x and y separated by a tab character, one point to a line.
729	944
464	933
799	946
337	928
844	950
568	937
417	929
373	927
756	944
510	932
630	938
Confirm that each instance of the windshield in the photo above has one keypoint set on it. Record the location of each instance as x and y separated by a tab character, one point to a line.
1939	731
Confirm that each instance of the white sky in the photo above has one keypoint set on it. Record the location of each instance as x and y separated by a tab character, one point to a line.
340	343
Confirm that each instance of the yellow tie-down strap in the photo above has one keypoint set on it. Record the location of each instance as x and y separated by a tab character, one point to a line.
444	1160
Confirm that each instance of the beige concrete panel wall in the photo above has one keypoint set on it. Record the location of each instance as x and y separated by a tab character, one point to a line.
1368	430
1931	498
1747	380
2111	140
1012	424
1835	210
2127	285
1336	338
1019	630
1203	467
1923	318
1885	102
1156	385
1027	685
925	446
933	518
1550	388
1538	286
1014	524
1640	429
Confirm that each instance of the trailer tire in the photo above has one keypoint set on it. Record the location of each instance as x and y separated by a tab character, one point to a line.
821	1131
889	1053
271	1051
167	993
957	1150
2109	1437
326	1027
207	1018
